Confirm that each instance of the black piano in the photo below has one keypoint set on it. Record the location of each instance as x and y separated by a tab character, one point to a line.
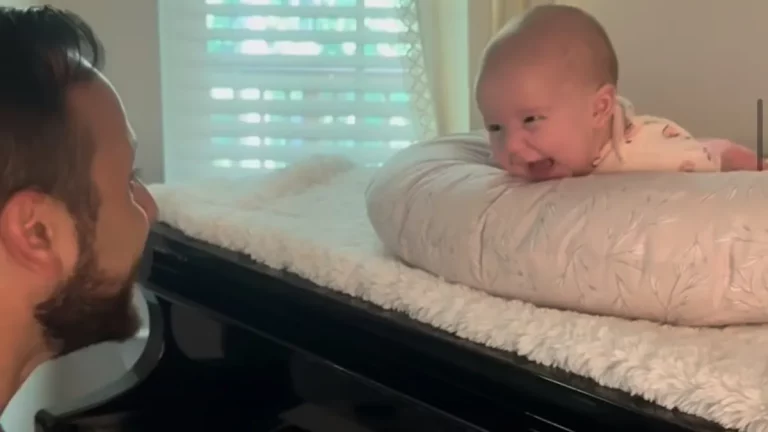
297	357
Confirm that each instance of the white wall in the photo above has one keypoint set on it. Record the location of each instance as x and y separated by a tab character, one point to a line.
129	32
701	62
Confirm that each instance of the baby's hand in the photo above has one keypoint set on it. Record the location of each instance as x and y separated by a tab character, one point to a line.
739	158
733	157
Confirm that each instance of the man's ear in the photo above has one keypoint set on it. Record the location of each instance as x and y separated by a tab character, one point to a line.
603	104
32	233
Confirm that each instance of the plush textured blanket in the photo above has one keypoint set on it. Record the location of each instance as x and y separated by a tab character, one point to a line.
310	219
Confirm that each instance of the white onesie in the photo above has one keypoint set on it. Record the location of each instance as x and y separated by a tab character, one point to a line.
647	143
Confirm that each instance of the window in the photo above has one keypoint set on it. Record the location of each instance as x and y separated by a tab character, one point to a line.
254	85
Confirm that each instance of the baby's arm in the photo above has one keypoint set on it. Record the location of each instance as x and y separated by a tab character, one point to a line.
657	144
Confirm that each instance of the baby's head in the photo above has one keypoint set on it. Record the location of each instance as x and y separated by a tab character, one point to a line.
546	90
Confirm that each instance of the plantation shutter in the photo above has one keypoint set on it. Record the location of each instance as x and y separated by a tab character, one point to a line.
254	85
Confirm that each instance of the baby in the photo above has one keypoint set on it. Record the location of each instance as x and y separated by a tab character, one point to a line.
547	93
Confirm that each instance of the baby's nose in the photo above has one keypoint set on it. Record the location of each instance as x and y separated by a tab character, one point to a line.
519	151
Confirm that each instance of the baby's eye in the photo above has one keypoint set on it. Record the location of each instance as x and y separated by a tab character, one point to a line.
531	119
493	128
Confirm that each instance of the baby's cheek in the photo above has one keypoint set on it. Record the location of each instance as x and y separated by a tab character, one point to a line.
501	160
563	171
579	162
499	154
496	158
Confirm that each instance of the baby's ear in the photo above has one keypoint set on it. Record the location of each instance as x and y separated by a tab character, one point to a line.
603	105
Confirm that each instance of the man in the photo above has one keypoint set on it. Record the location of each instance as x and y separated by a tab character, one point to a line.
73	217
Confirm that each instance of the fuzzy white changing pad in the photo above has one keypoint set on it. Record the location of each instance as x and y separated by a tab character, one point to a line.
311	219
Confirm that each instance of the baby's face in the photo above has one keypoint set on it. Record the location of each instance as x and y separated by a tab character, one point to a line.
539	126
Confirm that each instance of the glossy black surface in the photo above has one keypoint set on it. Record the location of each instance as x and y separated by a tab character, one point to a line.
296	353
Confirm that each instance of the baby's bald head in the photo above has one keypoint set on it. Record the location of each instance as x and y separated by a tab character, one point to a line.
559	36
547	92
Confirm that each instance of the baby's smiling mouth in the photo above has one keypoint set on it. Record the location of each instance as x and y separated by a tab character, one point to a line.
541	168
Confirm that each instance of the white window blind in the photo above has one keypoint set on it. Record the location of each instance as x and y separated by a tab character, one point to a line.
253	85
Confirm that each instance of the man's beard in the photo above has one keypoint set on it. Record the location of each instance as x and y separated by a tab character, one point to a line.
90	307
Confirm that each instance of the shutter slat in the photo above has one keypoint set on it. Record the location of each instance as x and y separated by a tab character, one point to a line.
187	131
321	37
228	168
194	56
286	80
191	105
288	154
199	9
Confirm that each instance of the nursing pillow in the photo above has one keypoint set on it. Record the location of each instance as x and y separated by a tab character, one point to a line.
680	248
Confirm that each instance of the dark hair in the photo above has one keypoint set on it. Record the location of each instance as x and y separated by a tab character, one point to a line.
44	52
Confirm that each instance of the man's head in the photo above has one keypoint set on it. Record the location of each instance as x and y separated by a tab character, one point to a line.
73	217
546	90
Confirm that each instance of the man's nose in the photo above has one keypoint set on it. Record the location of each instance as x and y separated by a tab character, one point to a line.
147	202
